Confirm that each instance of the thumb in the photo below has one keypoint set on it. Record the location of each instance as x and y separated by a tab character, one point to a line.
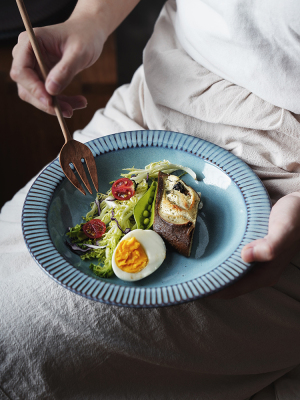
259	250
279	238
283	233
64	71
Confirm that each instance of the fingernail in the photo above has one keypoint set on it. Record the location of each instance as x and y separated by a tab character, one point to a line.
82	104
53	86
44	101
79	106
248	254
67	114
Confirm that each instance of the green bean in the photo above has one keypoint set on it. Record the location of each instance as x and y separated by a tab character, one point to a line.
144	209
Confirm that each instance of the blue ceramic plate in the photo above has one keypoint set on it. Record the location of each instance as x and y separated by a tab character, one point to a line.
235	212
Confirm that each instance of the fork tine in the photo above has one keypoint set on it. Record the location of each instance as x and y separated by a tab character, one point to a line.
73	152
81	172
72	178
91	165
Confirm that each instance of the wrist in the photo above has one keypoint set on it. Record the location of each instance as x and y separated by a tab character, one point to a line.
105	15
90	16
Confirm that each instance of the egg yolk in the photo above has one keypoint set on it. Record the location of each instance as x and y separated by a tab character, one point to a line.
130	256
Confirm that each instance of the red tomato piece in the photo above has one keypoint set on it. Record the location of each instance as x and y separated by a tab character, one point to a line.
94	229
123	189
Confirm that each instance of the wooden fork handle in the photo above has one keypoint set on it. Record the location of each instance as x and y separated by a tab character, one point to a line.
42	65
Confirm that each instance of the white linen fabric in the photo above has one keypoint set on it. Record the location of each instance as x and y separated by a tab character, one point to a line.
57	345
252	43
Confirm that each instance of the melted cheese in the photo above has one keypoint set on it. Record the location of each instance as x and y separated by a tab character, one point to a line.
177	207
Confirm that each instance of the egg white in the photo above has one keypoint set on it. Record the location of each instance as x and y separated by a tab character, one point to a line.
155	249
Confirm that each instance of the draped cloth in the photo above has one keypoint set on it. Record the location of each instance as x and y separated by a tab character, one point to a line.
55	344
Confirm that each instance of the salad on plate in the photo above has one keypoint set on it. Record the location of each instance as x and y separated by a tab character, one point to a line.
116	234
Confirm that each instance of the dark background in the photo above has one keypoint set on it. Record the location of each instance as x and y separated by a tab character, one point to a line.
30	138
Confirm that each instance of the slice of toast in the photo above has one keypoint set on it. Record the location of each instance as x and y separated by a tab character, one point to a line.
176	210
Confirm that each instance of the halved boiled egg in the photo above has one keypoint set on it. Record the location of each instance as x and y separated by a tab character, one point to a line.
138	254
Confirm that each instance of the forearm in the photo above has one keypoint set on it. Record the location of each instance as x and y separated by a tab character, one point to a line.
108	14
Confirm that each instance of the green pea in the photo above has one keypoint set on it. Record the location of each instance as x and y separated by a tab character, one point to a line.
146	221
146	213
150	200
149	207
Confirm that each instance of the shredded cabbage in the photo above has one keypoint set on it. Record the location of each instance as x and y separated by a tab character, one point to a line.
123	213
153	169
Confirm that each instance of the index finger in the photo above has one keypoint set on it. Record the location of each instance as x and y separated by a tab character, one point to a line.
24	69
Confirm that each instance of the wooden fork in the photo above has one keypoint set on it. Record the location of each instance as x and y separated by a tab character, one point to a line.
72	151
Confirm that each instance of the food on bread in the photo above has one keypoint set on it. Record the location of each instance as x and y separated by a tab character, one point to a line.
176	210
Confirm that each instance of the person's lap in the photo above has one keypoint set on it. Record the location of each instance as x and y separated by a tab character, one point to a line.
56	344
